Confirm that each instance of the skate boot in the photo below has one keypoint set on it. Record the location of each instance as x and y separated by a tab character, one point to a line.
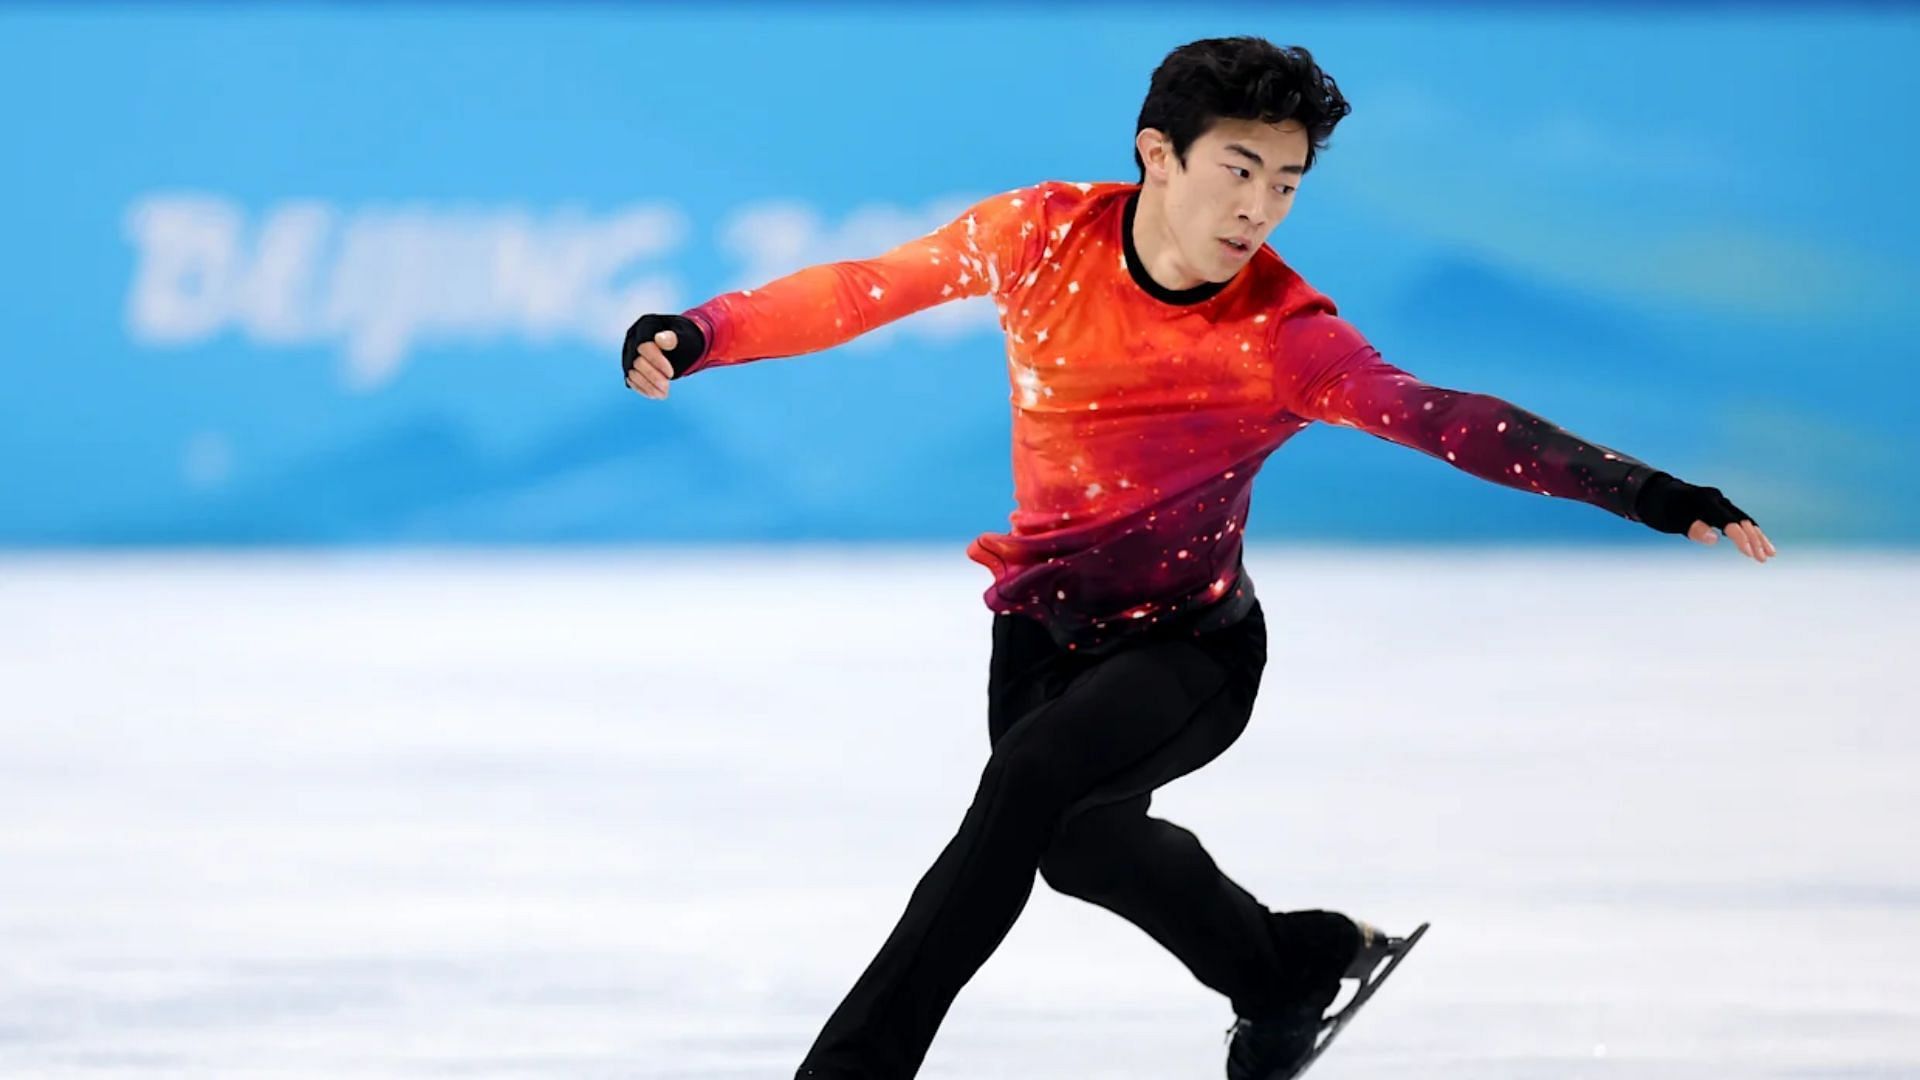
1281	1045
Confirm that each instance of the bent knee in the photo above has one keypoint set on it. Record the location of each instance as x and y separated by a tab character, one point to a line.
1082	863
1074	872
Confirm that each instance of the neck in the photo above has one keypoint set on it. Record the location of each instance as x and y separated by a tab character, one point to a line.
1152	271
1153	239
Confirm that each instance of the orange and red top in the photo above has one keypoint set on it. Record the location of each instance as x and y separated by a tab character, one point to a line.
1141	414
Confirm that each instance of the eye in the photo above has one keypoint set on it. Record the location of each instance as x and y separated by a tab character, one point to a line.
1239	172
1285	189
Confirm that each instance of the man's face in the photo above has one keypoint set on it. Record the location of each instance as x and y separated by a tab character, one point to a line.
1237	185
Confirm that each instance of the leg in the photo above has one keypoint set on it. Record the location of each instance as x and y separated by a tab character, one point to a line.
1106	733
1157	876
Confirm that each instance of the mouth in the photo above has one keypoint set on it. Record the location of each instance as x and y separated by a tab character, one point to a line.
1240	248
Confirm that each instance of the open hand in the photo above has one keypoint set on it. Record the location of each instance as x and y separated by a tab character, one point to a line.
1671	505
1745	535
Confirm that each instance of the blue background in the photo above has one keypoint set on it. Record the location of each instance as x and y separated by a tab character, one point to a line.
1688	234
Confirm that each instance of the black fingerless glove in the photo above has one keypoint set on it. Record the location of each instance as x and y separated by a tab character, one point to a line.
1672	506
692	346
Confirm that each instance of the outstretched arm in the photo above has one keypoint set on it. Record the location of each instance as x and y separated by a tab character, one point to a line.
832	303
1329	372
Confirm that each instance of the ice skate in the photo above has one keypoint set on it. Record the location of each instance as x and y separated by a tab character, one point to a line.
1282	1046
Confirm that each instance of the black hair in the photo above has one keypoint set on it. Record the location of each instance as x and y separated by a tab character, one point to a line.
1238	78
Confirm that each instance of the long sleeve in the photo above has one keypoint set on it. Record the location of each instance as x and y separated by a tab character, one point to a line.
825	305
1330	373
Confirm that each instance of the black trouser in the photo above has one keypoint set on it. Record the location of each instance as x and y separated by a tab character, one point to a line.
1079	743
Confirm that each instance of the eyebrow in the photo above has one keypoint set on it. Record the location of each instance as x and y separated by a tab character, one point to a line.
1296	170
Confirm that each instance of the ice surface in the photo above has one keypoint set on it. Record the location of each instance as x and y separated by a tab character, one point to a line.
647	814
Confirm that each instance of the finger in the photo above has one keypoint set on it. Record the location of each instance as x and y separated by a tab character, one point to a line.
1732	533
1702	533
1755	541
662	366
657	360
645	383
1742	539
667	339
1765	543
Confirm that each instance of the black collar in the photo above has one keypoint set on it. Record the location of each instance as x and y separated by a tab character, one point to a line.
1203	291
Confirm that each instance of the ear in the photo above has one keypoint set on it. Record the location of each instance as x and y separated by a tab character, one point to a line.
1156	151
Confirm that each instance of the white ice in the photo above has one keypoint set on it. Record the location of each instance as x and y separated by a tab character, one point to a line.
647	814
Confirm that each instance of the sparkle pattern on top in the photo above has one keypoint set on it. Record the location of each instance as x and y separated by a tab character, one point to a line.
1139	423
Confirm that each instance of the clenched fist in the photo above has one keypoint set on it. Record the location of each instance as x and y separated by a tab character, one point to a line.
659	349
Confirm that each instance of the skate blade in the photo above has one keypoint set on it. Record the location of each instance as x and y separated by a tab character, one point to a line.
1375	947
